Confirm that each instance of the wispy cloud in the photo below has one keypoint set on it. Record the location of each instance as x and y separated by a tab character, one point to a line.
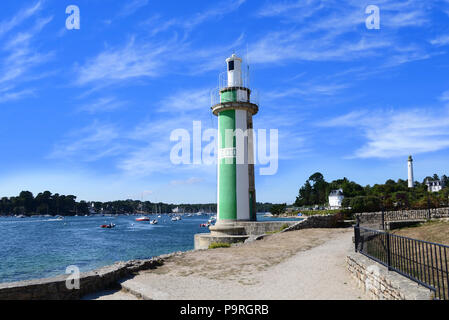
188	181
133	61
20	56
441	40
103	104
336	31
396	133
186	101
132	6
157	23
90	143
21	16
445	96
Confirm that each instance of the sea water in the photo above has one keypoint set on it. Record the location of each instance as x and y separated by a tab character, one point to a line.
37	247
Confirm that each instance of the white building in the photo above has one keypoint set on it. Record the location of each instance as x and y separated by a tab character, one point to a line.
336	198
434	186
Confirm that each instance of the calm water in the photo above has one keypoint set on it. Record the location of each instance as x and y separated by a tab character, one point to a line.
33	248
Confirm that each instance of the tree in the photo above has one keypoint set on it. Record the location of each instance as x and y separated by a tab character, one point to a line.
277	209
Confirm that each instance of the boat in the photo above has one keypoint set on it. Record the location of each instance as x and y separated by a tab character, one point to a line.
153	221
143	219
177	218
107	226
159	216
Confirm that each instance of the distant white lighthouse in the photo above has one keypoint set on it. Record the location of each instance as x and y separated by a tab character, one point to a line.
411	184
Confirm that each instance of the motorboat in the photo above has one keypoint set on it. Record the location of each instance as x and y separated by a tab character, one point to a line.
143	219
153	221
107	226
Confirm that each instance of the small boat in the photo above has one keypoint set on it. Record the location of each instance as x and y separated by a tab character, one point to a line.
143	219
107	226
177	218
205	225
153	221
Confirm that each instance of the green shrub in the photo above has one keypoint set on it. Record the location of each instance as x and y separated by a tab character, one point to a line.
215	245
284	226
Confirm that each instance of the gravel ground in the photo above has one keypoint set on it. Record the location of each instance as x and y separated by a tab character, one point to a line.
305	264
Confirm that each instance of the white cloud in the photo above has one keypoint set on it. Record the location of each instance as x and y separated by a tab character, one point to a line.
335	31
129	62
90	143
445	96
21	16
192	180
397	133
103	104
132	6
20	58
186	101
441	40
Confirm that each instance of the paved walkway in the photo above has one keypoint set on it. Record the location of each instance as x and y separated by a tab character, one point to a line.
304	264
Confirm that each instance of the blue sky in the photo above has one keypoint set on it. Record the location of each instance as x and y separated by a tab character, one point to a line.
90	111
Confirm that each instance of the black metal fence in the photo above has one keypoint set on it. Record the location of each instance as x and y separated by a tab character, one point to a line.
423	262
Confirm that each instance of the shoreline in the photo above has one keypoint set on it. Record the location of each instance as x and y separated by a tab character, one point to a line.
98	279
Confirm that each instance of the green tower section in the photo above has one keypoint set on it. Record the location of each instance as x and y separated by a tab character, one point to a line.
227	188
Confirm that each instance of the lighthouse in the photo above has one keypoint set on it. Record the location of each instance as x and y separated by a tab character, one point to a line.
234	104
411	184
236	194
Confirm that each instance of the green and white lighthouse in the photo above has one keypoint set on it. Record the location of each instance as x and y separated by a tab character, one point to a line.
236	193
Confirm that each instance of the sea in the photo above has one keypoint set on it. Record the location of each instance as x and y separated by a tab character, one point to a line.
42	247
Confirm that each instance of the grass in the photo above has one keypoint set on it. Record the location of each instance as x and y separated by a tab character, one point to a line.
284	226
432	231
215	245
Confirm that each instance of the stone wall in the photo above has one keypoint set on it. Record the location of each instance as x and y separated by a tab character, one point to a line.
381	284
374	219
93	281
317	221
254	228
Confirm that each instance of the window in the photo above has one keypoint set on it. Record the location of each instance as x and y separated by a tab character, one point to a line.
231	65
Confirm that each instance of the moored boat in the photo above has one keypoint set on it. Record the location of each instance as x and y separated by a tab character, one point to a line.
107	226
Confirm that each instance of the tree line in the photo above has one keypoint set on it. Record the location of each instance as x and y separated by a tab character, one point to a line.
46	203
391	195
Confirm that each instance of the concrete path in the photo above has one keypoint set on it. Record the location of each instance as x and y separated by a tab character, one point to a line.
306	264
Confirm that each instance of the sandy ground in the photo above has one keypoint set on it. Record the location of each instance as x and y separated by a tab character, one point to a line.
304	264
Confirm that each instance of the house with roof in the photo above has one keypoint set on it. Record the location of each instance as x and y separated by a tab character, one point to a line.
336	198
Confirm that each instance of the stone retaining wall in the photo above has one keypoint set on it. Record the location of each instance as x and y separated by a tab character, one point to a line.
90	282
374	219
381	284
317	221
254	228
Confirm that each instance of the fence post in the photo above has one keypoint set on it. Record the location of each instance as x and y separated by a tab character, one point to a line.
428	207
388	251
356	233
383	218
